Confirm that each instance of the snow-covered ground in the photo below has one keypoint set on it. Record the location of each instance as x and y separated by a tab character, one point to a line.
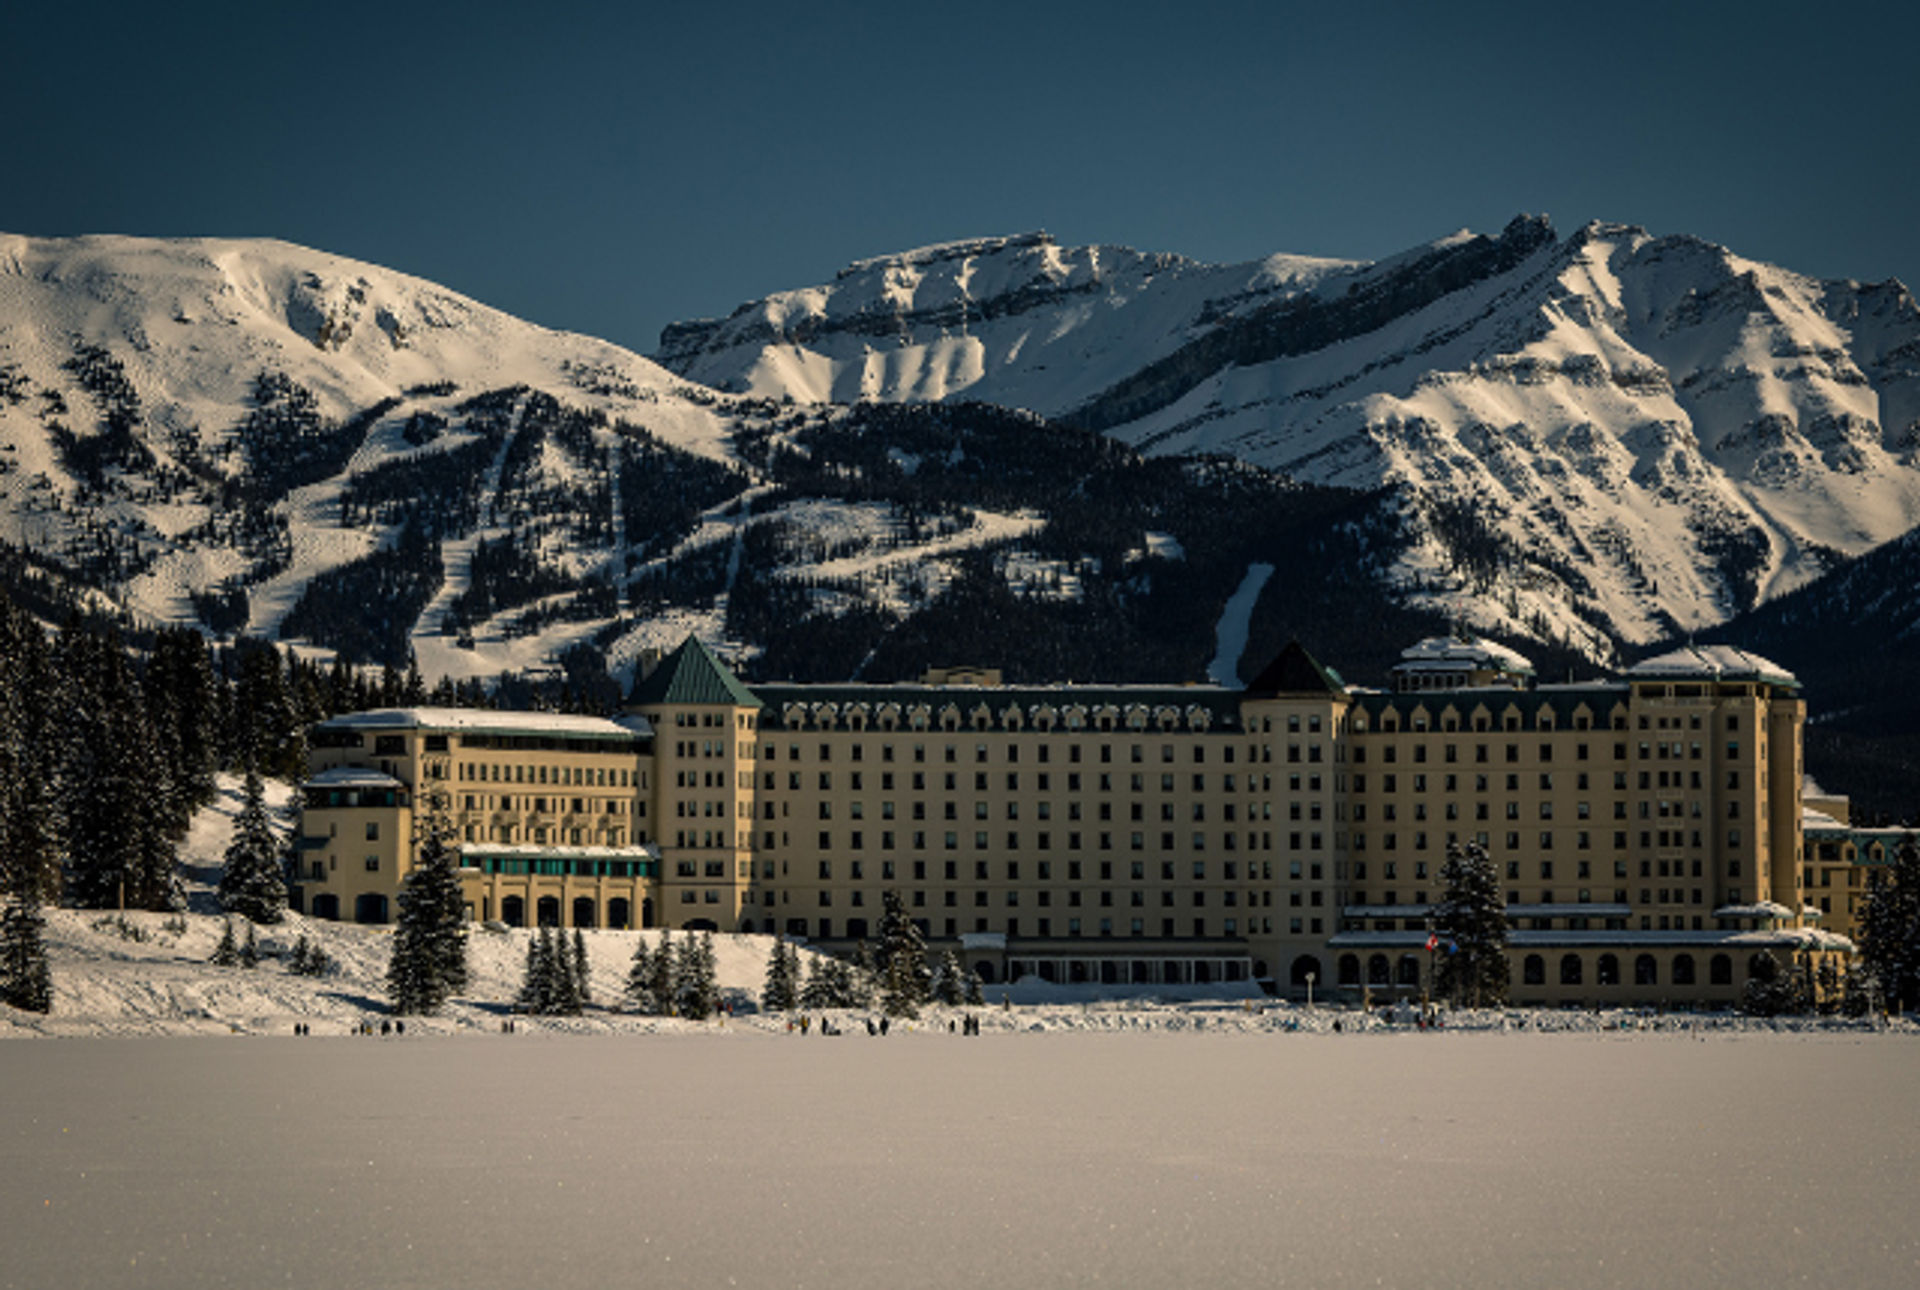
1143	1160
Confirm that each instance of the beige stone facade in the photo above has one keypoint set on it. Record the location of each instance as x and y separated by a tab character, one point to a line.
1648	828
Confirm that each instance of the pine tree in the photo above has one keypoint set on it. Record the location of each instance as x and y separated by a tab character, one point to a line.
227	952
640	980
976	993
699	989
26	980
901	961
250	950
564	1001
582	971
947	988
1471	918
1890	927
854	983
707	981
848	985
780	993
119	851
252	884
32	744
536	984
666	976
429	962
818	991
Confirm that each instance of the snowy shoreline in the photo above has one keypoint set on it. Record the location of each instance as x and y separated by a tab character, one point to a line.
140	973
147	974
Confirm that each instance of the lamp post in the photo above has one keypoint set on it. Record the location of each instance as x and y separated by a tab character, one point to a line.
1309	992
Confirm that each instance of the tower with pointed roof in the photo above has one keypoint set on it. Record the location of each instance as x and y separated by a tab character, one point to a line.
1296	709
701	795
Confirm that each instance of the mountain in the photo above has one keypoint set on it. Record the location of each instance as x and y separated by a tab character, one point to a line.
1603	439
265	439
1855	636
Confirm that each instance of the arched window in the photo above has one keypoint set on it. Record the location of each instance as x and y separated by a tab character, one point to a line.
327	906
370	907
1646	971
1409	970
1720	970
646	912
549	911
1683	969
1142	974
585	914
1570	970
1349	969
1533	970
984	970
620	913
513	911
746	927
1304	966
1607	971
1378	970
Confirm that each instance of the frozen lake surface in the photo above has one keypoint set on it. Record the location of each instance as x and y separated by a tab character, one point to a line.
1010	1160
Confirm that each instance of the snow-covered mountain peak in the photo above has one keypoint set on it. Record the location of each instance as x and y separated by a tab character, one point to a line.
1657	431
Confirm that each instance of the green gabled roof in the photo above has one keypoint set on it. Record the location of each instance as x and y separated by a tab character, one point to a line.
1295	672
692	674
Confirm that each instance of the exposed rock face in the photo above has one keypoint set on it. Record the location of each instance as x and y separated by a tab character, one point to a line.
1662	432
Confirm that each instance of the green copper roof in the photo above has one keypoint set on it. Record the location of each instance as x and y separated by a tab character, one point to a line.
692	674
1295	672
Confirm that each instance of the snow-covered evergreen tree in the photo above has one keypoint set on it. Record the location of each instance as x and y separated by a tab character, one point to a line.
252	884
582	971
639	992
227	952
947	987
118	848
536	983
26	980
855	984
429	961
976	993
1471	921
697	978
666	975
31	751
564	1001
817	992
781	992
1890	927
900	963
250	949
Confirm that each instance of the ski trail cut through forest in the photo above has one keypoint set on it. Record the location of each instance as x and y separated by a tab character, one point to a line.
1230	633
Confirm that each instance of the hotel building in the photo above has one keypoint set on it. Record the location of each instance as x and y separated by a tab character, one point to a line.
1648	829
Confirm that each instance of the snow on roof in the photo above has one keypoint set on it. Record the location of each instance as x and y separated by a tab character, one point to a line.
1796	938
488	851
353	777
490	721
1450	653
1717	662
1761	909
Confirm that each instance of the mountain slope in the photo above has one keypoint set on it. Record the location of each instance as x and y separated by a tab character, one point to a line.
1649	434
267	439
1854	636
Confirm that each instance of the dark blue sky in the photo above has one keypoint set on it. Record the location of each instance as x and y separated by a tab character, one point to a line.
609	168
